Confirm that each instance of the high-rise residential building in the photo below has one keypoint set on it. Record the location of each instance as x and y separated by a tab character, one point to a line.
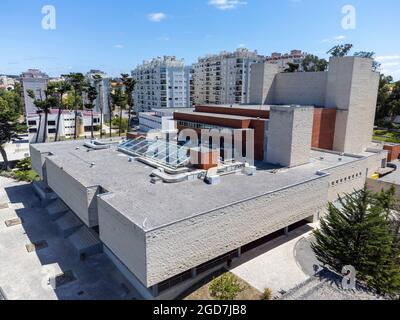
224	78
282	60
163	82
102	82
36	81
7	83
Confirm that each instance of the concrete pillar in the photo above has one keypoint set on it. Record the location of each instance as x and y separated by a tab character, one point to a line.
154	290
194	273
286	231
239	252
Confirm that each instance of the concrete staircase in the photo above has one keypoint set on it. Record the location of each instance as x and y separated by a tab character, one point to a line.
68	224
86	242
56	209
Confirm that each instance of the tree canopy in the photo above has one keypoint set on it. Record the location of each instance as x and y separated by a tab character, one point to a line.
358	232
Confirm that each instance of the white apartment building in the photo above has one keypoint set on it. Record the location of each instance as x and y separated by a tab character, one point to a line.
36	124
103	86
160	119
7	83
163	82
282	60
224	78
36	81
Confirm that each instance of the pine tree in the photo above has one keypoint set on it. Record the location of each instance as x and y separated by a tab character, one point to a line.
358	232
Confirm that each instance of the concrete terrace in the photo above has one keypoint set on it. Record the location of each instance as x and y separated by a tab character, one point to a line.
25	275
132	193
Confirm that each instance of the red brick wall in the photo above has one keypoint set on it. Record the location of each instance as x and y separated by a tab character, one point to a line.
324	128
394	152
263	114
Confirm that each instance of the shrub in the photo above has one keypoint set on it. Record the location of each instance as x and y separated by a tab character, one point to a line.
225	287
267	294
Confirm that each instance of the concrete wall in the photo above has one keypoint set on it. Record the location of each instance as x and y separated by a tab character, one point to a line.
261	82
352	176
123	238
352	88
289	135
38	163
377	186
184	245
76	196
304	88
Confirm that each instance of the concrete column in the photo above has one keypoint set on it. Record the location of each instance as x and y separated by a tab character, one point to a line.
154	290
194	273
286	231
239	252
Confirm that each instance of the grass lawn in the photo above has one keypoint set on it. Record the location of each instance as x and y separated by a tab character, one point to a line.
202	292
386	136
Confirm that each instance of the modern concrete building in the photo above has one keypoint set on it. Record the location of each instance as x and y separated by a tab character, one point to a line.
164	82
167	228
350	87
282	60
102	82
167	221
36	81
36	125
224	78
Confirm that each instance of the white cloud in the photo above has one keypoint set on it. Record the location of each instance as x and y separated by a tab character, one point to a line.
156	17
226	4
241	45
164	38
334	39
119	46
390	65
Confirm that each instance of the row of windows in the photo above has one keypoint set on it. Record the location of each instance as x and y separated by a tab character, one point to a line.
346	179
195	125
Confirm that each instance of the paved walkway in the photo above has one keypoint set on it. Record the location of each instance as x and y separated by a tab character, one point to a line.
24	276
274	265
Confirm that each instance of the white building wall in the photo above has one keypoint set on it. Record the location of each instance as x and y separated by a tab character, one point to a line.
192	242
289	135
74	194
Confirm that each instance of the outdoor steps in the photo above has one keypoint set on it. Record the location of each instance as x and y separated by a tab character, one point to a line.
44	192
86	242
68	224
57	209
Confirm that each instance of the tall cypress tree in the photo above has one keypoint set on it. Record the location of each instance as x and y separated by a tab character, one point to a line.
357	232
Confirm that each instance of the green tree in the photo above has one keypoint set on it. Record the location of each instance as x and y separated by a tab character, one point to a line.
292	67
62	87
358	233
91	93
98	85
119	99
340	50
77	82
44	105
312	63
10	110
129	84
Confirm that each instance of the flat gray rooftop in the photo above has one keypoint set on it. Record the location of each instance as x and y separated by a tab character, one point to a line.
393	177
159	204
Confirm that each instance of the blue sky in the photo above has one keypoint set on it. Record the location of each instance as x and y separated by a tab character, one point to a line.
117	35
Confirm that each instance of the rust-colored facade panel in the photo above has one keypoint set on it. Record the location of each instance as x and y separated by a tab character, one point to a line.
394	152
324	128
216	120
263	114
